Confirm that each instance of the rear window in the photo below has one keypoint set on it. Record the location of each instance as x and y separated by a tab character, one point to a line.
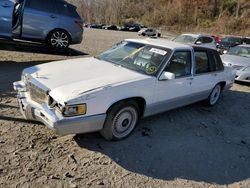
66	9
41	5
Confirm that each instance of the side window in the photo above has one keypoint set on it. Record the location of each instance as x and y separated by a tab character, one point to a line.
207	40
218	66
41	5
202	63
66	9
180	64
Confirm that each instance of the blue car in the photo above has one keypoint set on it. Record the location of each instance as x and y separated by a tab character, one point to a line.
54	22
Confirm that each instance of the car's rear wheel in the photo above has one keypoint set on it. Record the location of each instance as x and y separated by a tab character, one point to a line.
121	120
58	39
214	96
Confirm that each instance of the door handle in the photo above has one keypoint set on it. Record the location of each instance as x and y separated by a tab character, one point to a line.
215	74
52	16
190	78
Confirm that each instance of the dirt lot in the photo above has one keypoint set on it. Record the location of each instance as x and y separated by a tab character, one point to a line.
193	146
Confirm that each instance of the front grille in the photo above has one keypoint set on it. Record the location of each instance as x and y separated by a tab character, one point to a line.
37	94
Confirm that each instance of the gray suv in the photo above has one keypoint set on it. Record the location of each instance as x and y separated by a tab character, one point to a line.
54	22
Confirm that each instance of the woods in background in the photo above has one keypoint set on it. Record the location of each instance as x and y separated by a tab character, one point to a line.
220	16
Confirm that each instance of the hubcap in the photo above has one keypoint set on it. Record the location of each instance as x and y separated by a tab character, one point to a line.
215	95
124	122
59	39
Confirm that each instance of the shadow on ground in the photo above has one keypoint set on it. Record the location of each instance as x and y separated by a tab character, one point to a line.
194	143
11	45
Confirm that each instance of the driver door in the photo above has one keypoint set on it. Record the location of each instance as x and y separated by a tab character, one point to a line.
6	13
175	92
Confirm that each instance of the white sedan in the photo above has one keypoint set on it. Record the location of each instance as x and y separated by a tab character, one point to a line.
111	92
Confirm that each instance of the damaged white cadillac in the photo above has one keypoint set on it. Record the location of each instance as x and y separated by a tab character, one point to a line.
111	92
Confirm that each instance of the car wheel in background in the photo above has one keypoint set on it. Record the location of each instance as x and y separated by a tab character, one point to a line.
121	120
58	39
214	96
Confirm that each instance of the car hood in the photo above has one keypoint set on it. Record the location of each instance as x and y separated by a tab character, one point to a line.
70	78
231	60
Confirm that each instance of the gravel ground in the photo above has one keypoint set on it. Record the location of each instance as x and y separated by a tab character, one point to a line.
193	146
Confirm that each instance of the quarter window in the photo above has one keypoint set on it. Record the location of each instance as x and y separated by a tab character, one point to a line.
202	63
180	64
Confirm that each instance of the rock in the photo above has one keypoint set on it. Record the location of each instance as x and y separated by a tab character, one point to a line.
100	183
52	138
55	177
68	175
30	169
2	142
71	156
73	185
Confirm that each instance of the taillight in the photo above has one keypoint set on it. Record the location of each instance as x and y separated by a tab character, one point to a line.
79	23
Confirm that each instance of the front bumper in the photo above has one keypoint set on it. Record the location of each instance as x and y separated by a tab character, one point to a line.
52	118
242	76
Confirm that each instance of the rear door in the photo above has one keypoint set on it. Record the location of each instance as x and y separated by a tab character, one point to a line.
38	19
6	13
205	75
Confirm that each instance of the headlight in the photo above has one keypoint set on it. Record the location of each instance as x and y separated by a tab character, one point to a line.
74	110
246	69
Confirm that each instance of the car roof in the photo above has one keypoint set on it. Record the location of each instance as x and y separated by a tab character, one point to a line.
161	42
196	35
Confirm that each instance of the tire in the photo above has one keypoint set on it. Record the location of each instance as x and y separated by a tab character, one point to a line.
214	96
58	39
121	120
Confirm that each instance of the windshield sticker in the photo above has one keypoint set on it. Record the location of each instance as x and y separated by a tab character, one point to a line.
151	70
158	51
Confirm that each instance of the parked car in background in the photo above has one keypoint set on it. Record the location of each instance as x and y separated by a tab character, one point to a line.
243	75
228	42
238	57
149	32
55	23
111	92
111	27
197	39
132	27
97	26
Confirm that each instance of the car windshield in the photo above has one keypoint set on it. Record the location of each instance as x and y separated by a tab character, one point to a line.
232	39
185	39
240	51
139	57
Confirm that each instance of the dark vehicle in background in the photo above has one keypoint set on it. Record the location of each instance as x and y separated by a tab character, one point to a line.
132	27
97	26
54	22
228	42
111	27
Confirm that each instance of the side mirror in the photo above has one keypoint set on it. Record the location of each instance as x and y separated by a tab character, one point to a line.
198	43
167	76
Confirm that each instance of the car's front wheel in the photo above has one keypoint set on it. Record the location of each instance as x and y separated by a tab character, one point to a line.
121	120
214	96
58	39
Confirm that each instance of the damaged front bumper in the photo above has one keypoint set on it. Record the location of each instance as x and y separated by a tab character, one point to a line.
52	118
